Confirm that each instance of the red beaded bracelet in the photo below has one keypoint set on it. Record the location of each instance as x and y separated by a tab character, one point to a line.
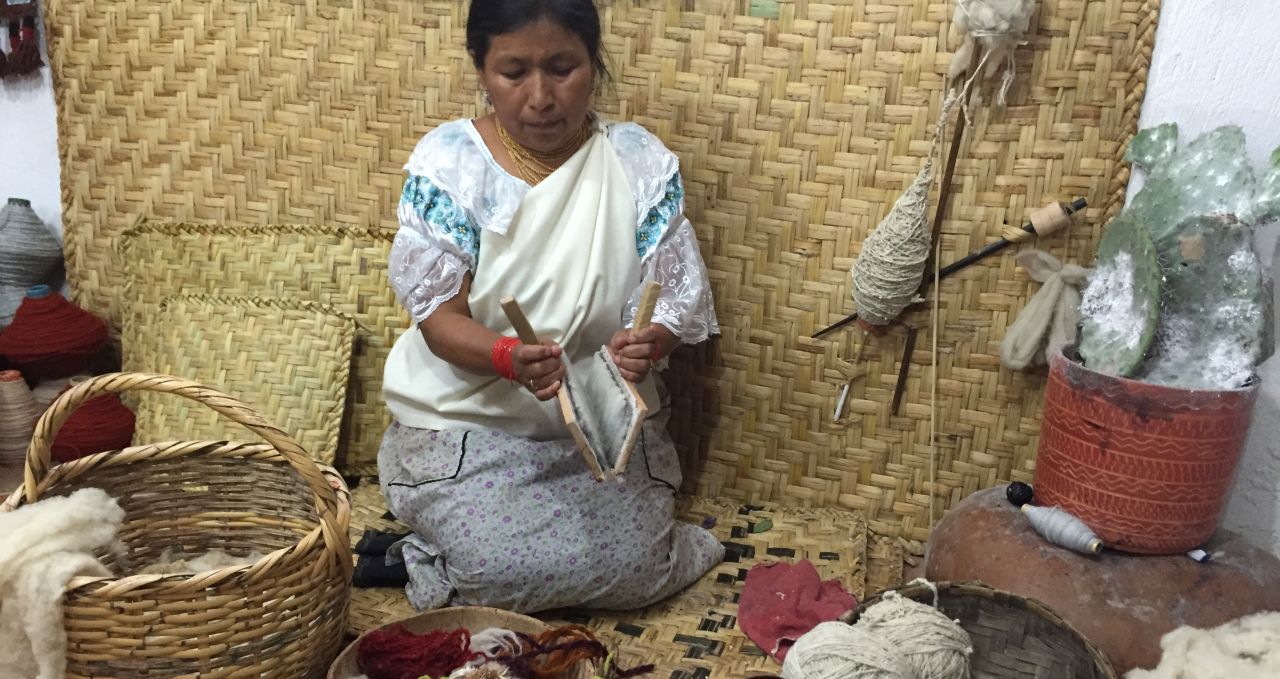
501	357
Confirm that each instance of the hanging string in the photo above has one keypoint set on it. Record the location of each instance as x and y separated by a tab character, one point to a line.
963	96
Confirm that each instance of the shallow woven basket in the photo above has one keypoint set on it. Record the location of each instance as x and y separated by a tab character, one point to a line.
472	618
281	616
1012	636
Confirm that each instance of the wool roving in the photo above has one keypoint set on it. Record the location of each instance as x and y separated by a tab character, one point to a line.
1245	647
44	545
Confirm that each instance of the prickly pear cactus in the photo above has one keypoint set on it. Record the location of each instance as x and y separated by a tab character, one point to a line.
1209	176
1179	296
1121	304
1212	323
1266	207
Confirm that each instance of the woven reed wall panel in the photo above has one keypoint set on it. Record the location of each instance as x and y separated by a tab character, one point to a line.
343	268
795	133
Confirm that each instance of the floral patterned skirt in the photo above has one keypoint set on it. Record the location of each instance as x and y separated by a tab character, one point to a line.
521	525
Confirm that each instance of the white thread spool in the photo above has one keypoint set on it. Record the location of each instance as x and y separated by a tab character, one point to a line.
1062	528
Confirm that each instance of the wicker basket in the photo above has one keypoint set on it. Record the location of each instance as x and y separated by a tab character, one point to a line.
1012	636
281	617
473	618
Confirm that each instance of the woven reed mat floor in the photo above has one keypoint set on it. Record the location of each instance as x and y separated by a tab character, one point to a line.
695	633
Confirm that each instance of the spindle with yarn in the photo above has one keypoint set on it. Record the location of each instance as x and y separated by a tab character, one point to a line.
834	650
935	646
100	424
51	337
18	413
1062	528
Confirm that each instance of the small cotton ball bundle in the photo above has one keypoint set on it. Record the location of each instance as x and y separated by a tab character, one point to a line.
935	646
834	650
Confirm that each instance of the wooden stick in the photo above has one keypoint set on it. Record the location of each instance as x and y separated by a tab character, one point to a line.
964	262
525	332
644	315
903	368
944	194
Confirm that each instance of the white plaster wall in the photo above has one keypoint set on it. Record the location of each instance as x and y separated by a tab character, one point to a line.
29	142
1216	61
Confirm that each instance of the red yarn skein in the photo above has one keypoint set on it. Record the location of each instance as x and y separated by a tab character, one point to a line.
51	337
393	652
100	424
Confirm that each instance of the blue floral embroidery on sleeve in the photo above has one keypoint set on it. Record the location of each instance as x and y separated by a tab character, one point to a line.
650	229
437	208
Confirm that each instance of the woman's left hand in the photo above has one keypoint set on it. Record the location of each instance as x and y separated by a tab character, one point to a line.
635	351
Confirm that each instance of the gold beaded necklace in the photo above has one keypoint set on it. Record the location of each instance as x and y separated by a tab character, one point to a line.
535	166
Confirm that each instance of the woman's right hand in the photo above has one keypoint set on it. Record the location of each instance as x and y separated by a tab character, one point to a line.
539	368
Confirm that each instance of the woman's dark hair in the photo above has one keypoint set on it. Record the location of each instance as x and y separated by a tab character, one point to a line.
488	18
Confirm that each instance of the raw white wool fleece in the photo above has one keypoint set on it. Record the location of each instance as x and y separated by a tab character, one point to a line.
42	547
1245	648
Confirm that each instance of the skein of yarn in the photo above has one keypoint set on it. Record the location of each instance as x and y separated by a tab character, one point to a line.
1062	528
935	646
100	424
10	297
31	251
834	650
18	413
51	337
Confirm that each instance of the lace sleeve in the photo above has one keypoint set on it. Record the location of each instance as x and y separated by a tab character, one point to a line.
435	246
685	305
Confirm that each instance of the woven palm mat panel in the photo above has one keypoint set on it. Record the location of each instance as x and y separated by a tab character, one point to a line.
797	124
340	267
695	633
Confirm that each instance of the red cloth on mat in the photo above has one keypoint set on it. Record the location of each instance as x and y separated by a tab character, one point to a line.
780	602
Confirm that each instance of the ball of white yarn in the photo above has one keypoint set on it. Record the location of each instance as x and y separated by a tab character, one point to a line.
834	650
934	645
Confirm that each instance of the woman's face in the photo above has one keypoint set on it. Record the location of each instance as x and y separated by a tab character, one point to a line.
539	79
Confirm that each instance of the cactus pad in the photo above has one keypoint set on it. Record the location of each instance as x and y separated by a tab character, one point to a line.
1212	324
1121	304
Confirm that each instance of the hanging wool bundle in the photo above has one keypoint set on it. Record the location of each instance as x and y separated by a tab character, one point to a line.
1049	319
1000	26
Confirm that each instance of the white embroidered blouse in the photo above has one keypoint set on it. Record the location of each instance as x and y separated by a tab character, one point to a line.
455	188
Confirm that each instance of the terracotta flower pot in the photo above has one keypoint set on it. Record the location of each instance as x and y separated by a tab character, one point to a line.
1147	467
